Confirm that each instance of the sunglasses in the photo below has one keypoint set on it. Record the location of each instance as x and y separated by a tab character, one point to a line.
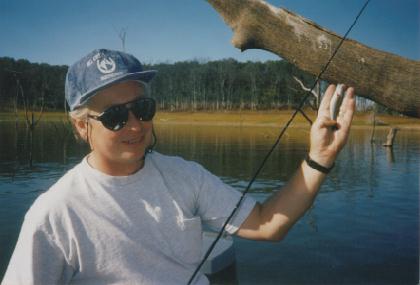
116	117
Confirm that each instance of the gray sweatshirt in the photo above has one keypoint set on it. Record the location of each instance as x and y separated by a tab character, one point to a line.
146	228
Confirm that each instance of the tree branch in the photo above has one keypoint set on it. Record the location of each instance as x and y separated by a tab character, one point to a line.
313	92
383	77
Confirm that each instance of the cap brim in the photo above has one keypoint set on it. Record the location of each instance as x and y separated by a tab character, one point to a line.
143	77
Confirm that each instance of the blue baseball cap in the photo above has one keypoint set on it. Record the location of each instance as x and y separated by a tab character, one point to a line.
100	69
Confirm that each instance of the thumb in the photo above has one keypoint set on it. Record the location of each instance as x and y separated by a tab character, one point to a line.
327	123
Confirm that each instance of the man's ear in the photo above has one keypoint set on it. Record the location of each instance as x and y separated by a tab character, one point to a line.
81	128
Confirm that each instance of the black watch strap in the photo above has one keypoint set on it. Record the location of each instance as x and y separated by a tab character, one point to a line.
315	165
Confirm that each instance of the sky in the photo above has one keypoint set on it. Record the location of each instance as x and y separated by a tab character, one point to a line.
61	32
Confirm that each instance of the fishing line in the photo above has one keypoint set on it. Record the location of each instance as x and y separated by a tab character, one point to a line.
219	235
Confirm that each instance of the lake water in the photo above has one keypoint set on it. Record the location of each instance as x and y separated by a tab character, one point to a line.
362	229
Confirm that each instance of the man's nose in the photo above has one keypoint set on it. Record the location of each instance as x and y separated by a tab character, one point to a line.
134	123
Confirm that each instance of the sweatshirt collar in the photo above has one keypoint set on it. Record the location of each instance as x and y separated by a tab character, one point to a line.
103	178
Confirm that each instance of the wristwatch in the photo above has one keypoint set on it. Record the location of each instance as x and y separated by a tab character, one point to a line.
315	165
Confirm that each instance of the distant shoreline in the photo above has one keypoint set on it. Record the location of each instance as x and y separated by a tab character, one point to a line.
275	119
247	118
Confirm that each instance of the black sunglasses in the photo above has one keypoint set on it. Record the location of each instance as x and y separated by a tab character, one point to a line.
114	118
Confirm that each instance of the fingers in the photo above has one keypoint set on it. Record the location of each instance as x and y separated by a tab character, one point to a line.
349	100
347	104
336	100
324	107
347	108
328	136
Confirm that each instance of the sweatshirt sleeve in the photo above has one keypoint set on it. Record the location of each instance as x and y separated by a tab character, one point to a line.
37	259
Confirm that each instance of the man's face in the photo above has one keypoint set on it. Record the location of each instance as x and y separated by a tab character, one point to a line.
120	151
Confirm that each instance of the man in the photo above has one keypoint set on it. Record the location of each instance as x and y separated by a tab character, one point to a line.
128	215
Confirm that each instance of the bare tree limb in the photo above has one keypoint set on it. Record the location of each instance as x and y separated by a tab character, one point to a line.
25	102
313	92
316	94
44	86
383	77
122	35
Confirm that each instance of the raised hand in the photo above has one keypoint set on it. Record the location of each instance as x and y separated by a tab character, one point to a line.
329	136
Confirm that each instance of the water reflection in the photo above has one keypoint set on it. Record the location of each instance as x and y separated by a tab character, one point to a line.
390	154
234	152
231	153
23	152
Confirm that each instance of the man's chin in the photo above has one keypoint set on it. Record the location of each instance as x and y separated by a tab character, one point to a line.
133	157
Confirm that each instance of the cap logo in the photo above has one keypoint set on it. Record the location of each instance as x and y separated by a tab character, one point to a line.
106	65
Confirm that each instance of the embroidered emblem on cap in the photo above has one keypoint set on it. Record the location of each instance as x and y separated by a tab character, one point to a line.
106	65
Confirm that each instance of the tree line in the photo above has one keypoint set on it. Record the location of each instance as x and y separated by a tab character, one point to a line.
182	86
227	85
23	82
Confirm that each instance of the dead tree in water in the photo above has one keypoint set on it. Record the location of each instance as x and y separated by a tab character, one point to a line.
372	136
390	137
30	120
16	101
383	77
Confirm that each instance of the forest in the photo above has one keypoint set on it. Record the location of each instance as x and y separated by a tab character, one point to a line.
221	85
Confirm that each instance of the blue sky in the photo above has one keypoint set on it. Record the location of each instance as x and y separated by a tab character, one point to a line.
60	32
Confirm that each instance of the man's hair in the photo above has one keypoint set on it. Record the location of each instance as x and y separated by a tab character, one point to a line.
78	114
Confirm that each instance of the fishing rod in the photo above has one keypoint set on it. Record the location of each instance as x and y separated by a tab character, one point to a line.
302	102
